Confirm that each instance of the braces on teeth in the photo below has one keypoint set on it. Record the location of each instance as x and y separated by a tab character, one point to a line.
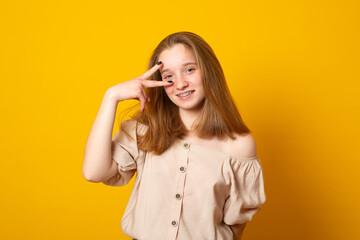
185	94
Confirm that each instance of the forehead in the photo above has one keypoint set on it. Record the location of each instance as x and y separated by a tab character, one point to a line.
177	54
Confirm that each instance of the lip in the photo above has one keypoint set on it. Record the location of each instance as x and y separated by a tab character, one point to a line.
186	97
185	92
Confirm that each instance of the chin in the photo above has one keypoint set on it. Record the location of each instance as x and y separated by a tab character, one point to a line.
195	104
191	107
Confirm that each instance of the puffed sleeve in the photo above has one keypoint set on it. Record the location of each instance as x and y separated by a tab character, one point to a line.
125	153
246	191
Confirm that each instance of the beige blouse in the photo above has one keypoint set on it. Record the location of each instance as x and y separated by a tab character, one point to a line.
188	192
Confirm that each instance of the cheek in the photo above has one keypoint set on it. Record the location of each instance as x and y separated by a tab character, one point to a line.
168	90
198	80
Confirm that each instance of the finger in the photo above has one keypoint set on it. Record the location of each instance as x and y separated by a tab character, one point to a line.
154	83
146	97
143	101
151	71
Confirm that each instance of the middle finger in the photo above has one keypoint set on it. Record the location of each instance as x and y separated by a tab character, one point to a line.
151	71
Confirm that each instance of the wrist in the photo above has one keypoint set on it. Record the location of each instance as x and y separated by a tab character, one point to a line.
111	97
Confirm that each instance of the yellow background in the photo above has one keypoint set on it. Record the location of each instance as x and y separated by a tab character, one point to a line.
292	66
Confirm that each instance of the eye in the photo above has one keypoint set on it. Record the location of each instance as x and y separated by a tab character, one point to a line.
190	70
167	76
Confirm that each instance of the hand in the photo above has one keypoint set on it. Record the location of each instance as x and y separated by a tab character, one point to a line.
134	88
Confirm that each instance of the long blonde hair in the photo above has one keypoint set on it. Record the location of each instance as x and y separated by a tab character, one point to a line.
219	116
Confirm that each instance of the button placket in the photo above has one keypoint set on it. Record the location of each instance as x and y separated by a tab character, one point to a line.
179	191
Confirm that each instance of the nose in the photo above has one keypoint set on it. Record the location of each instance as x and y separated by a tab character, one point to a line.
181	82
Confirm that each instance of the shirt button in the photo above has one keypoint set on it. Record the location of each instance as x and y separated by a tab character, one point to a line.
174	223
178	196
182	169
186	145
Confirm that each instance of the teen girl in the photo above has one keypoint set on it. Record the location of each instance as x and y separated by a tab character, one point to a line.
198	174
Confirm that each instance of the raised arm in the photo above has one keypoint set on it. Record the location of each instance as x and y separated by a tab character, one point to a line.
98	164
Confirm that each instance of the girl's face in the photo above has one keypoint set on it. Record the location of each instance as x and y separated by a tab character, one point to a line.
179	66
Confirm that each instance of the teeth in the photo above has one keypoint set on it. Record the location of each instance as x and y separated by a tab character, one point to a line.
185	94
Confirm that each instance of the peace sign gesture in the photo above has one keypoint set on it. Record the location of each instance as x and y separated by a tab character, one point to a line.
134	88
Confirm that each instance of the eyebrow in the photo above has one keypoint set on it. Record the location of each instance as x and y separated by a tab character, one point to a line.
185	64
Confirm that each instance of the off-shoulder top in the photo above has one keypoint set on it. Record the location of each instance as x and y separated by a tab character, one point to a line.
188	192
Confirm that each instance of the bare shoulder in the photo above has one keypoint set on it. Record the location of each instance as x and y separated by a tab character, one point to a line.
244	146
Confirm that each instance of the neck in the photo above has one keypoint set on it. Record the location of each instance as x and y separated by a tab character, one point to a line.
188	118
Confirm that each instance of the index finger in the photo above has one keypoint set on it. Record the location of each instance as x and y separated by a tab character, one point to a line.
151	71
154	83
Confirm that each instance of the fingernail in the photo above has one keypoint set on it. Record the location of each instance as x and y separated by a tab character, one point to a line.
170	81
159	63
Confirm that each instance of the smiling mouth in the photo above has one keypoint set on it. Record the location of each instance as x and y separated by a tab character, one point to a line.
185	94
